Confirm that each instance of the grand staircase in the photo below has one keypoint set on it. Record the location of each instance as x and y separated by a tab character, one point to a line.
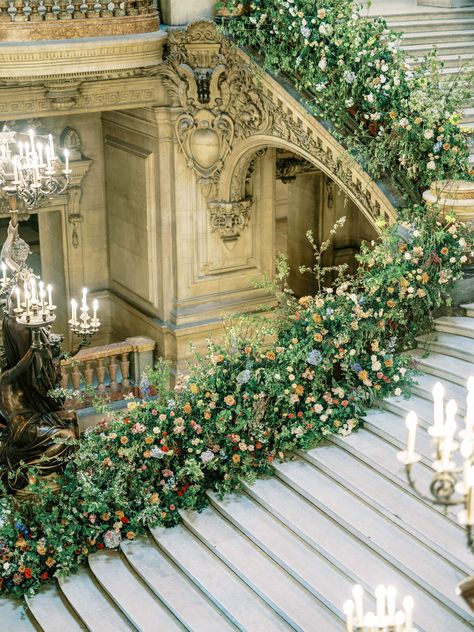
285	554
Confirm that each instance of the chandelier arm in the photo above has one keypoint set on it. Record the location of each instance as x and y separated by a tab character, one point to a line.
433	500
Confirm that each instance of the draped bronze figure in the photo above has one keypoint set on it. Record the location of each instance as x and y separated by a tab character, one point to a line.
34	427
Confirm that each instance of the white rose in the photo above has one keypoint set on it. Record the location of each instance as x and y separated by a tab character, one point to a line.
428	133
431	165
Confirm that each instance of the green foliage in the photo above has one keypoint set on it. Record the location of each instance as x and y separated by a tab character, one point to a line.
394	119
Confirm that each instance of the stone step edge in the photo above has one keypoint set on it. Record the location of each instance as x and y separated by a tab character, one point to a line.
388	516
338	612
423	365
262	594
390	559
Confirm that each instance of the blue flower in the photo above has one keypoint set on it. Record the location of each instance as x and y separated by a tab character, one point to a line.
437	147
314	357
171	404
243	377
357	367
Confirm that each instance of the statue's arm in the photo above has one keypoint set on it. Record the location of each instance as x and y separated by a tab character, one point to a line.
12	374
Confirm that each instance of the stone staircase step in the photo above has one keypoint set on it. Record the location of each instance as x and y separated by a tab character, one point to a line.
51	612
469	307
449	344
298	559
282	593
457	325
401	406
394	12
329	538
228	592
414	517
14	617
91	604
130	594
428	37
443	48
451	369
173	588
424	386
453	24
433	574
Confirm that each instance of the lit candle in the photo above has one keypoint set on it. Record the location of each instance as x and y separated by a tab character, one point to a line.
32	141
358	594
48	157
95	305
33	288
349	612
15	172
408	604
51	146
4	152
391	602
42	294
466	452
470	406
27	304
27	150
449	430
411	423
438	400
399	621
20	149
73	312
4	274
470	498
66	156
369	622
18	302
84	299
50	295
39	147
380	594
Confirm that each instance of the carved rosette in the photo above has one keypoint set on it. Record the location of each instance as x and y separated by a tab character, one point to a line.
230	219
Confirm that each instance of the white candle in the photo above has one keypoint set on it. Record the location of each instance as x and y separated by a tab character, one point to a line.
470	497
18	302
74	312
399	621
27	304
50	295
466	452
42	294
358	594
4	152
438	400
470	406
48	157
369	622
15	172
32	141
391	602
95	306
33	289
39	147
4	273
349	612
20	149
411	423
380	594
84	299
449	430
66	155
27	150
408	604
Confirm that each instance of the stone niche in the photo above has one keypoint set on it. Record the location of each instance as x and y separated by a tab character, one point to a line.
178	12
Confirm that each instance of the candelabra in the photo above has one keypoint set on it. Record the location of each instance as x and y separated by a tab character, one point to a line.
85	326
453	480
29	167
386	617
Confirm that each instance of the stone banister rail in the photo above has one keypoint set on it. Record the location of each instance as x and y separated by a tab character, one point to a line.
23	20
114	368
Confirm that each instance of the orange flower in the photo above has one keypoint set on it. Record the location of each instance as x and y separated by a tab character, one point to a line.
444	251
130	535
388	363
236	458
149	440
391	303
425	277
270	355
363	375
318	337
229	400
248	350
207	415
50	562
317	319
392	115
299	389
154	498
187	408
147	454
124	440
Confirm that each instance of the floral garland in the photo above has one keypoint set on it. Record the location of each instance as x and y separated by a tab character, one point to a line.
394	119
242	406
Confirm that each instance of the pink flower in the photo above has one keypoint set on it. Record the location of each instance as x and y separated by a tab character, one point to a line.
138	428
154	412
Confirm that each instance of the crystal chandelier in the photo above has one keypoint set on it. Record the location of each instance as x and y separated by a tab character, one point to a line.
386	617
29	167
453	465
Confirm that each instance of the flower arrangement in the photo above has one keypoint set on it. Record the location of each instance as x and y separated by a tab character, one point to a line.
393	118
266	391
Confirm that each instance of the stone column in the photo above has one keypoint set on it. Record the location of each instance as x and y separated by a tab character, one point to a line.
457	196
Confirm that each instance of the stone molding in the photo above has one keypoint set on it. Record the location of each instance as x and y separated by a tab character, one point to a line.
229	219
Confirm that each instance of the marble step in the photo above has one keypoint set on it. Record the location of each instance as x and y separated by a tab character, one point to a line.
14	617
424	387
188	604
380	455
334	542
51	611
445	367
422	13
295	605
457	325
240	604
401	406
456	60
469	307
298	559
437	37
452	24
91	604
443	48
449	344
416	518
136	601
430	572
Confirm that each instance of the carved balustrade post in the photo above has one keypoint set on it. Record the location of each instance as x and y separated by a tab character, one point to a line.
100	369
113	367
125	369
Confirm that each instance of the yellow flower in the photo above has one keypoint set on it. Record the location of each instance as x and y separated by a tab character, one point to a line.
50	562
124	440
391	303
147	454
149	440
194	389
425	277
317	319
41	549
154	498
388	363
318	337
132	405
130	535
187	408
299	389
363	375
236	458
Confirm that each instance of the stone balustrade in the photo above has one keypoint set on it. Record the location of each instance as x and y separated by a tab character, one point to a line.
63	19
114	369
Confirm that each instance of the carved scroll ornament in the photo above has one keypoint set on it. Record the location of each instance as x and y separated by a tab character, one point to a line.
230	219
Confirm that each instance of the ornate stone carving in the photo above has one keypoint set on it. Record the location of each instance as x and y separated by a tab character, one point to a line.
230	219
63	95
288	168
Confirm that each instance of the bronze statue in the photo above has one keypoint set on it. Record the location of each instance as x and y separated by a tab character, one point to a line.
33	425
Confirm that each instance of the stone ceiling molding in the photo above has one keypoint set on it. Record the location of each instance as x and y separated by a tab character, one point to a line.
231	110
